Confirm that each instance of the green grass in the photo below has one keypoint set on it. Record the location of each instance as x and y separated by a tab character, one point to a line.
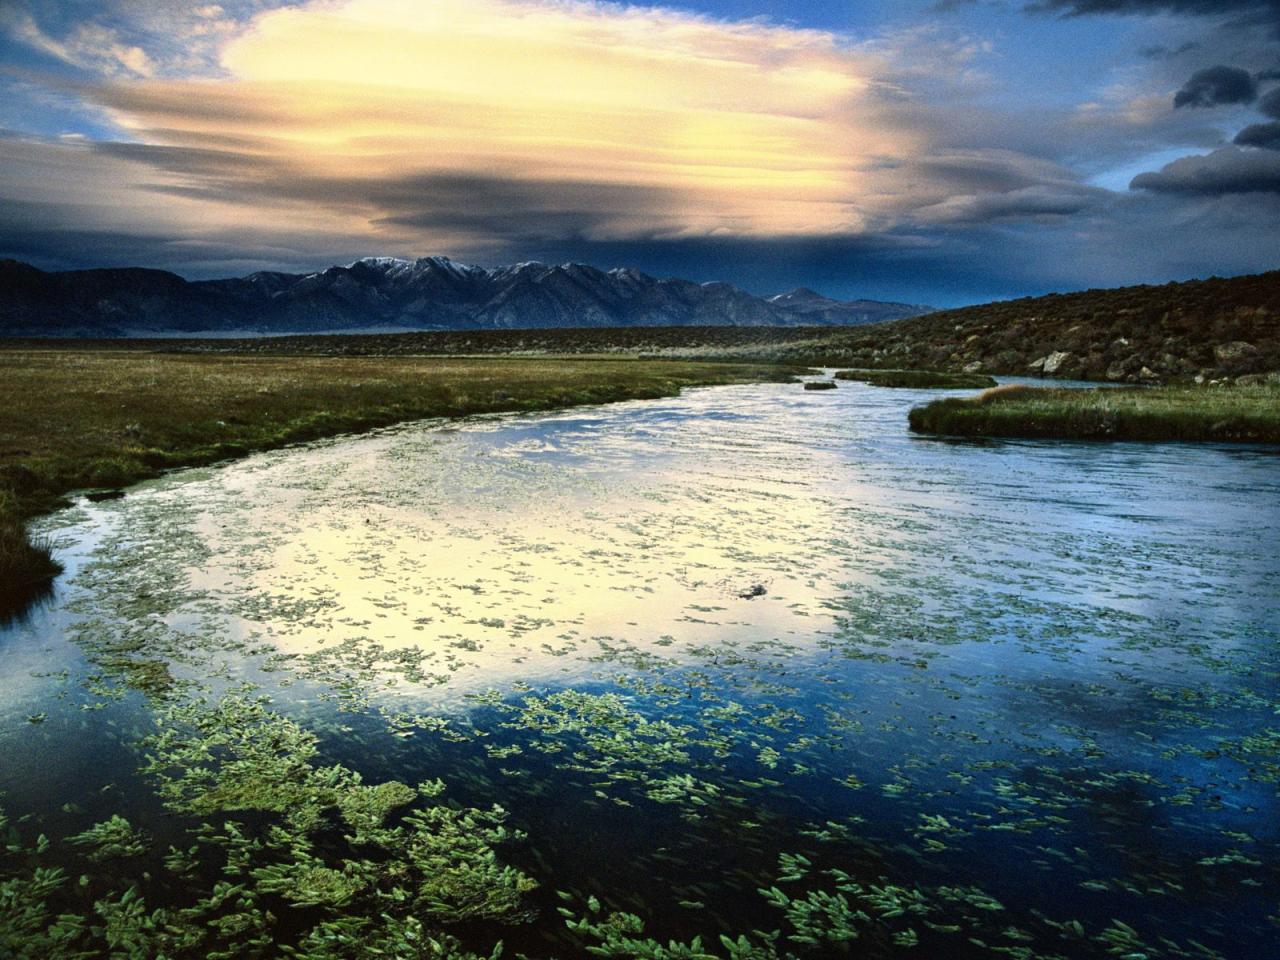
74	419
1239	414
920	379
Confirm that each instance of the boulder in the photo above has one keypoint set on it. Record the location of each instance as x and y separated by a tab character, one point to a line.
1259	379
975	367
1236	356
1124	368
1235	350
1055	362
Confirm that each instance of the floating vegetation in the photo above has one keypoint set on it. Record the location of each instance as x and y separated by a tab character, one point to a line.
332	844
112	839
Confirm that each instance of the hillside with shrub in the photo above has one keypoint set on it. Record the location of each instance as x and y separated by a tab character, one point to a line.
1213	329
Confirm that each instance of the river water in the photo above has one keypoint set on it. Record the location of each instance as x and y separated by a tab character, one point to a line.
995	698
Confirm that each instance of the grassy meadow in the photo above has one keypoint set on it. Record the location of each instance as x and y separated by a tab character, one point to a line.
75	419
1244	414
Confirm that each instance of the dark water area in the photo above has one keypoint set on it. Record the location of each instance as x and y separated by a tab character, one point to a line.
750	659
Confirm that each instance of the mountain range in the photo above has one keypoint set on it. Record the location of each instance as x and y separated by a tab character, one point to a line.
389	294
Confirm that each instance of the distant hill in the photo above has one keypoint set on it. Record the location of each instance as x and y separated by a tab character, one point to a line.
813	308
1212	328
387	294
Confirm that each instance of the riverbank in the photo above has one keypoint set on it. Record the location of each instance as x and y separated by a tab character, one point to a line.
918	379
1237	414
77	419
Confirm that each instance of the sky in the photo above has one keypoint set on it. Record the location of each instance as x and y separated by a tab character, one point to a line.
938	152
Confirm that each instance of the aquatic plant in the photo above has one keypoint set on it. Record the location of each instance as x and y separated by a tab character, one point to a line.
112	839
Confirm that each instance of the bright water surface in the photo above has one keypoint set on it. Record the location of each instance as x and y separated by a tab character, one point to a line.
1047	671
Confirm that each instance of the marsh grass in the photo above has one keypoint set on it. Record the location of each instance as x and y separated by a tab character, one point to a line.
1239	414
920	379
83	419
25	563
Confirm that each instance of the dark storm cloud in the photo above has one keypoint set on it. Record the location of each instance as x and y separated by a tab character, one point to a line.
1217	85
516	210
970	172
1270	103
1229	170
908	269
56	237
503	209
1264	135
1264	14
1037	202
975	263
980	262
1208	8
1161	52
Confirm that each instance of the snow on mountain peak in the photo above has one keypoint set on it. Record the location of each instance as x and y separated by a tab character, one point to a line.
380	262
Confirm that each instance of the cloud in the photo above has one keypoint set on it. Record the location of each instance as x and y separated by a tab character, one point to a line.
1161	52
1217	85
89	45
1270	103
1210	8
745	128
1242	14
1036	202
126	38
1264	135
1230	170
469	123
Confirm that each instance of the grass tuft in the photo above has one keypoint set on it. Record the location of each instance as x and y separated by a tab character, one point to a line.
26	565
